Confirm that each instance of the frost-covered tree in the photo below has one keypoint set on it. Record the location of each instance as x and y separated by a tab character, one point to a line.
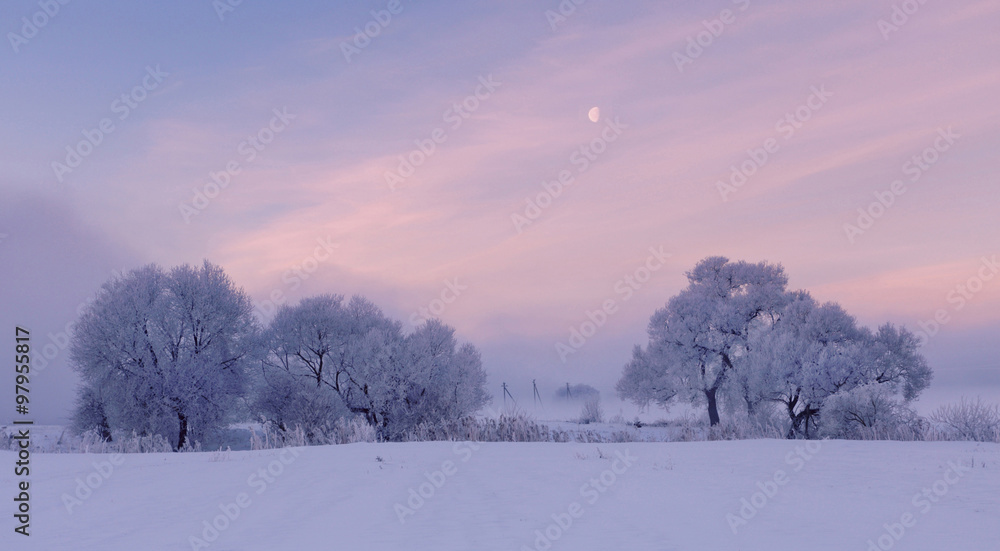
813	353
89	413
310	340
315	355
895	361
446	380
644	381
288	402
351	358
735	334
809	353
697	340
163	352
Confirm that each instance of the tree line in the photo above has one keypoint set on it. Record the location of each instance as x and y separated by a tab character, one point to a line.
179	353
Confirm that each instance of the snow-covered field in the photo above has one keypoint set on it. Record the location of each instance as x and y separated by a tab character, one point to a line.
734	495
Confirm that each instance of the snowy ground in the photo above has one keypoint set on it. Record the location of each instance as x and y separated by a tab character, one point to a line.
662	496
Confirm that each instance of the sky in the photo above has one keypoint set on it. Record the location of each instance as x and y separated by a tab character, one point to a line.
443	157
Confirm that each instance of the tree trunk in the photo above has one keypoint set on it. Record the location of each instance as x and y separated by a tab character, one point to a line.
796	423
182	432
797	419
105	427
713	408
790	406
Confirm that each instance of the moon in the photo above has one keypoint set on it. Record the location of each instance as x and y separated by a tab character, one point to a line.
594	114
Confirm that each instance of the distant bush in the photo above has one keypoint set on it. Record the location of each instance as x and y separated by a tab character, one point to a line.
577	392
969	420
592	411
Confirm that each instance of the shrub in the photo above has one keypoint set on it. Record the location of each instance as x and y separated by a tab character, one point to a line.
350	431
269	438
766	424
122	442
592	411
969	420
507	428
869	412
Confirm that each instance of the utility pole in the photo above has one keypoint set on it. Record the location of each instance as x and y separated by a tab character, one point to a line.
507	393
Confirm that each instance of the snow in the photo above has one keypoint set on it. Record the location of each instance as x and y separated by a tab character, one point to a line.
673	496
